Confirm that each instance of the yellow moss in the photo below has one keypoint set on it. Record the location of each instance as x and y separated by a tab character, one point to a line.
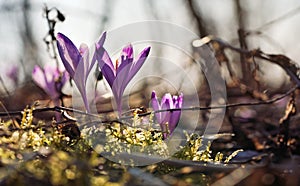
27	118
53	158
99	180
232	155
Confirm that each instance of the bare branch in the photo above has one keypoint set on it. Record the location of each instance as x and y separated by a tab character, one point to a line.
201	28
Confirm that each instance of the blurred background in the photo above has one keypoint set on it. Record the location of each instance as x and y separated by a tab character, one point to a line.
271	25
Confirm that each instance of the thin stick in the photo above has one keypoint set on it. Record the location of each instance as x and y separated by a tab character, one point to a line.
270	101
4	87
61	109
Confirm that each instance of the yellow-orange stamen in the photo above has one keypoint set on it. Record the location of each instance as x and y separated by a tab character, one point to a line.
117	64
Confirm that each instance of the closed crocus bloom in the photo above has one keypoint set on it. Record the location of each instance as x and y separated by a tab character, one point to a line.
168	120
77	62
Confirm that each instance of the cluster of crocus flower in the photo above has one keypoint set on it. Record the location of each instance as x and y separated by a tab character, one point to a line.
79	65
168	120
51	80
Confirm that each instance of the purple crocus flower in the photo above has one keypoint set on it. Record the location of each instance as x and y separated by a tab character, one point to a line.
169	118
13	74
51	80
119	75
77	62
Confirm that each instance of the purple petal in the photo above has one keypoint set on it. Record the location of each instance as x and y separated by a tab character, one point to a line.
85	64
83	49
51	73
125	63
125	60
91	64
106	66
166	103
80	84
138	63
101	41
156	106
82	89
175	115
127	51
118	98
154	101
104	59
118	92
65	77
85	100
173	121
13	73
68	52
46	80
124	67
38	77
122	74
180	100
108	74
81	74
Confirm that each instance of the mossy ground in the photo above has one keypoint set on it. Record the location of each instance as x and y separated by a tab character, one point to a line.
47	153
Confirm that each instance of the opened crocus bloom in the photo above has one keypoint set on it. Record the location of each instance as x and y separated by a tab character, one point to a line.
168	120
77	62
119	75
51	80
